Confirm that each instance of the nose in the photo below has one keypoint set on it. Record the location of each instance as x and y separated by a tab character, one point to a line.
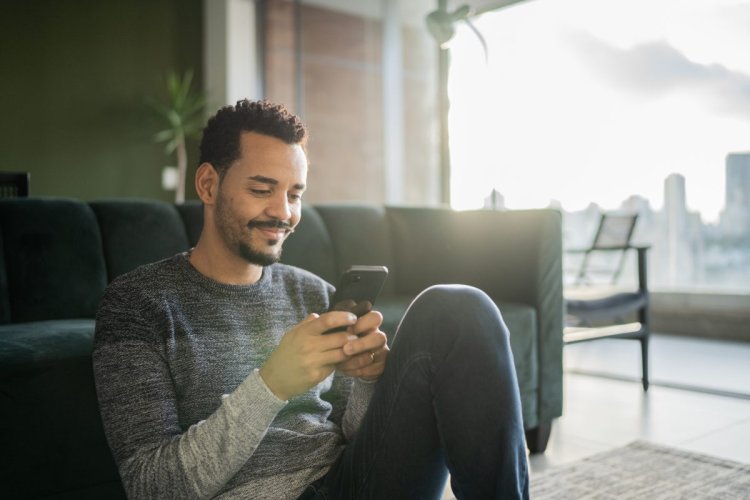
278	207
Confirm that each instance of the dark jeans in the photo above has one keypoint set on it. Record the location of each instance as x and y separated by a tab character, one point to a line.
447	401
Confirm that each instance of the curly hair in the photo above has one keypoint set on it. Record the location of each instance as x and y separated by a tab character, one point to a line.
220	145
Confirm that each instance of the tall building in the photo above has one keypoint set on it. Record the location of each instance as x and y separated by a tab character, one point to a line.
495	200
738	180
674	193
735	218
678	257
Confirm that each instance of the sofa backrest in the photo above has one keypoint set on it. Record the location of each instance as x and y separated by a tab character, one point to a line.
192	216
310	246
360	236
137	232
52	260
57	255
500	252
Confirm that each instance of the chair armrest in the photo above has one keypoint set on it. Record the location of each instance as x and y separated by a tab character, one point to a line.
607	249
642	267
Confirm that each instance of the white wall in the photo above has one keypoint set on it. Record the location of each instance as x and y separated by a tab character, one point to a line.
231	62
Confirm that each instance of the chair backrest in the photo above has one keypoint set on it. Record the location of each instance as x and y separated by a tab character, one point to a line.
14	184
613	234
614	231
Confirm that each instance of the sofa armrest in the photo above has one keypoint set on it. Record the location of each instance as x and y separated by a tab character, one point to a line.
514	256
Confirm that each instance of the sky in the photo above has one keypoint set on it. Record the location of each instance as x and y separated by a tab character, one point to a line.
584	101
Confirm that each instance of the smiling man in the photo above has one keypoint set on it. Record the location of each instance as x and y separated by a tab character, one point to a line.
214	377
252	208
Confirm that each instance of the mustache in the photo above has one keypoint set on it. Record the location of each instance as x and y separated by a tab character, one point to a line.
270	224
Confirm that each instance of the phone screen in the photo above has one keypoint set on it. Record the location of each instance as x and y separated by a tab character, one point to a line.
357	291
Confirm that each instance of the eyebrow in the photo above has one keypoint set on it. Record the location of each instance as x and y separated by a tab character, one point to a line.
273	182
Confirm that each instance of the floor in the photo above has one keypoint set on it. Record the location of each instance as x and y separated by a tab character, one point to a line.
699	400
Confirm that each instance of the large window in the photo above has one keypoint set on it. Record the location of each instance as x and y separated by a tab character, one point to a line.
591	105
362	74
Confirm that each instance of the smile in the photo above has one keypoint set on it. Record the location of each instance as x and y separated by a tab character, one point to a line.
273	233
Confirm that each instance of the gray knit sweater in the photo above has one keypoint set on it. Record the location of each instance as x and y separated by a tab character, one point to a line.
176	359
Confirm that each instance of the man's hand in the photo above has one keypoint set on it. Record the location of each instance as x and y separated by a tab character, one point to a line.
367	353
305	357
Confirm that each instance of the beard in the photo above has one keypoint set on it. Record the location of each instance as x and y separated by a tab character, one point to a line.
237	235
258	257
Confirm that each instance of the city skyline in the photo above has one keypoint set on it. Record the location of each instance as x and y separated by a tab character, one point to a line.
686	252
737	193
595	100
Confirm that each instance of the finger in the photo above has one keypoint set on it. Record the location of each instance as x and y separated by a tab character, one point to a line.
344	305
371	371
356	362
373	340
370	321
333	341
309	318
332	357
352	365
332	319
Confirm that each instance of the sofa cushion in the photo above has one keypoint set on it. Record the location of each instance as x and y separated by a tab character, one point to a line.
4	293
192	216
44	342
137	232
47	394
494	251
360	236
53	259
310	247
521	322
392	307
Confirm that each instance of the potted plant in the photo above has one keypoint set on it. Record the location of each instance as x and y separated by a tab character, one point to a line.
184	114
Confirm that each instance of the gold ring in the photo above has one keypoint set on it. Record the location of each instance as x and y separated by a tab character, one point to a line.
372	356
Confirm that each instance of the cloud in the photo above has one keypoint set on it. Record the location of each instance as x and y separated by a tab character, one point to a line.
655	69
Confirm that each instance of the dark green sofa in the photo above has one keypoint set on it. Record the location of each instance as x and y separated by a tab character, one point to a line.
57	256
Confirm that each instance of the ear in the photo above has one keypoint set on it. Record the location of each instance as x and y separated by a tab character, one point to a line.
207	183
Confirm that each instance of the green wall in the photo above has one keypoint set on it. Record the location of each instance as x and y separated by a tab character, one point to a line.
74	79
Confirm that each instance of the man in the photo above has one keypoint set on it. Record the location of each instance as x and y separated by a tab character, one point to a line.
214	378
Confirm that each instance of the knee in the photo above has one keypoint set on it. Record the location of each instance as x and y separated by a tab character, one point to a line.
460	306
454	298
461	319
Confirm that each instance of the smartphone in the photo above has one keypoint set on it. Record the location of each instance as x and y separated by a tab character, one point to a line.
358	288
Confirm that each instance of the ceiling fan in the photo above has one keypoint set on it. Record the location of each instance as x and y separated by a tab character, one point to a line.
442	24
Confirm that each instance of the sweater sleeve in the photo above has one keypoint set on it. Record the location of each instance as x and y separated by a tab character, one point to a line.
356	407
138	404
349	398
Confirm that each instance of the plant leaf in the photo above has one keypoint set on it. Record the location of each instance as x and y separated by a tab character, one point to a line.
164	135
183	110
171	146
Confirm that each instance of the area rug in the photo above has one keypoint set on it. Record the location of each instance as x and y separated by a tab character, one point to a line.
644	471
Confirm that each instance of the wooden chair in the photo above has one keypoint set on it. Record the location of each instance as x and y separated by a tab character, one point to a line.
14	184
596	311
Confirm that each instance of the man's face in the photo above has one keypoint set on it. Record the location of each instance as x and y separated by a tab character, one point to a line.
259	200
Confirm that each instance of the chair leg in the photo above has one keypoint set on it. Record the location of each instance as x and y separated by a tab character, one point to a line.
644	362
538	437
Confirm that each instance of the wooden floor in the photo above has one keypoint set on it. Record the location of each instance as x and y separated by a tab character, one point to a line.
699	400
